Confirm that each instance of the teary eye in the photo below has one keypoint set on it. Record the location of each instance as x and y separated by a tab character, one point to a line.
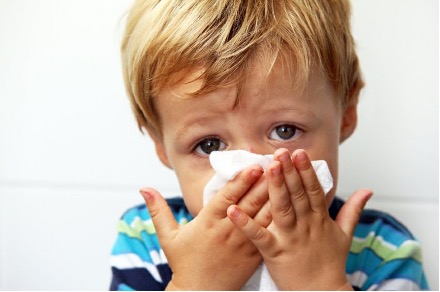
284	132
206	146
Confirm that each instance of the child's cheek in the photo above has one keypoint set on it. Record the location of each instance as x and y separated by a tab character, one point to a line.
192	184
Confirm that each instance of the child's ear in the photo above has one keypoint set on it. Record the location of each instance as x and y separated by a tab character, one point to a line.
160	150
349	121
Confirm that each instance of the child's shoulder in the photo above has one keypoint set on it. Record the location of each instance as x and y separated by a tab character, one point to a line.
384	254
383	224
376	222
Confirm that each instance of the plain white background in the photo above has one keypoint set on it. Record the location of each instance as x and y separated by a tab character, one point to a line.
72	160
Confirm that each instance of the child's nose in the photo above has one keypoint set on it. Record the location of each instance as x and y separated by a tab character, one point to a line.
250	149
255	149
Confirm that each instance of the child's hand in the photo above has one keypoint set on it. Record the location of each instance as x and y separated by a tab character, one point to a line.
210	253
303	248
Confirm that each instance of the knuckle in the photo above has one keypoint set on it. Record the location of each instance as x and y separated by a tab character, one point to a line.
299	195
258	235
285	210
154	212
229	197
314	188
257	201
267	218
264	216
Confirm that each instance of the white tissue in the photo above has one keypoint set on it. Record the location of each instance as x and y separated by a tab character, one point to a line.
227	164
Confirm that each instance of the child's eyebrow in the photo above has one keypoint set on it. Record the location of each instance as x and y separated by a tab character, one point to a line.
274	110
192	122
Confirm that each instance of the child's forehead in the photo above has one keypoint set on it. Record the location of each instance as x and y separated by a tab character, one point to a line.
274	90
193	81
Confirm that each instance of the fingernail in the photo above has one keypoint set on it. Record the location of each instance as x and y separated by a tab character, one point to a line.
235	212
256	172
146	194
284	157
301	157
276	171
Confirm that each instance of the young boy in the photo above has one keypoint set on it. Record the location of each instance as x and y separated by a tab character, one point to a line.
271	77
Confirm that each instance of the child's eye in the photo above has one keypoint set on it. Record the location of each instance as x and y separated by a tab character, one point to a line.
284	132
206	146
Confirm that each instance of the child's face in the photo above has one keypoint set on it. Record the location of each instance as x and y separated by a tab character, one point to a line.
270	115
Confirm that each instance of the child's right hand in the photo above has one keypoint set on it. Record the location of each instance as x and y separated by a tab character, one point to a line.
209	253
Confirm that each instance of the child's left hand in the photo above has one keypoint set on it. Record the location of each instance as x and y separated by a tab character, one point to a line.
303	248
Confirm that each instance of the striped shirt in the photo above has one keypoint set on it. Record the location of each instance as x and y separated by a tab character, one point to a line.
384	255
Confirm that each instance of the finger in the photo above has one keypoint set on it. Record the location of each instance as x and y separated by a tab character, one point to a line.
161	215
351	211
264	216
310	182
257	234
255	198
234	189
298	196
283	213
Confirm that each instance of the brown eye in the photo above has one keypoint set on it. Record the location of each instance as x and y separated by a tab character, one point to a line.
284	132
208	145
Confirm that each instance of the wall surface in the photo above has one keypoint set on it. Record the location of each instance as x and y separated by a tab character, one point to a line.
72	159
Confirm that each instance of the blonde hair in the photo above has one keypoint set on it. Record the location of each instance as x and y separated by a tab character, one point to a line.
165	37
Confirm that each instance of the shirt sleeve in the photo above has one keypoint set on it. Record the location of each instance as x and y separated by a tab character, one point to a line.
384	255
137	259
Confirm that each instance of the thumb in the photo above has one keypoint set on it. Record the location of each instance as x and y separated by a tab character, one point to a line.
161	215
351	211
